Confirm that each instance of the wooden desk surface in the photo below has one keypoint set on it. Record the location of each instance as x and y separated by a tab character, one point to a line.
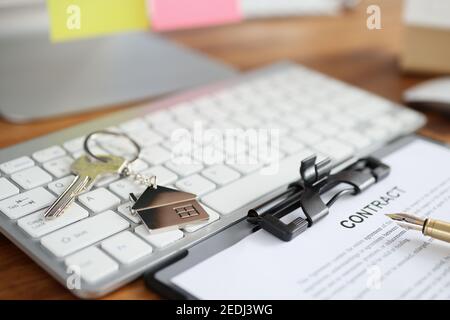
340	46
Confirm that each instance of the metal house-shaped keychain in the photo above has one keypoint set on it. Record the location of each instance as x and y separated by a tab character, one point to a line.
163	209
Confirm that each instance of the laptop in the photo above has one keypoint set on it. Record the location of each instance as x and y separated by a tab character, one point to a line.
41	79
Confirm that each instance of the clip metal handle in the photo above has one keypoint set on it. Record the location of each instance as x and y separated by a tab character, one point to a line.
308	191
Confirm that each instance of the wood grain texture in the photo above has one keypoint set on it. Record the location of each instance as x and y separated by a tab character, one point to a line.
340	46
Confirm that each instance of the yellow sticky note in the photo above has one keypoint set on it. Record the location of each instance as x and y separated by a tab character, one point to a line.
72	19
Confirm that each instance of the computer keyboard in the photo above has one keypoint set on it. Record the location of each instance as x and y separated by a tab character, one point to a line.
310	112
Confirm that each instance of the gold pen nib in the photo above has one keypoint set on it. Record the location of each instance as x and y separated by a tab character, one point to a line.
407	220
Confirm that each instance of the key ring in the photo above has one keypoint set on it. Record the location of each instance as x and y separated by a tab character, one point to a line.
116	134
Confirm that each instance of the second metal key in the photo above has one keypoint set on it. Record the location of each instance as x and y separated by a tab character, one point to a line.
87	173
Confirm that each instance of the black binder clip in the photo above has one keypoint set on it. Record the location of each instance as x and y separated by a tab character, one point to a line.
306	193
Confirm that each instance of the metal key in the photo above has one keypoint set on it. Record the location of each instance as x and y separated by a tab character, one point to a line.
87	173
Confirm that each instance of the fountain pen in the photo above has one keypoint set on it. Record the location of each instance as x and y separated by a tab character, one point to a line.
434	228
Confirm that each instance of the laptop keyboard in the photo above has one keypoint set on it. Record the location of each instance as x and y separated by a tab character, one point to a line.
310	113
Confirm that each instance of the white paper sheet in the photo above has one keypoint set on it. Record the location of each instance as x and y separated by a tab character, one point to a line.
371	258
271	8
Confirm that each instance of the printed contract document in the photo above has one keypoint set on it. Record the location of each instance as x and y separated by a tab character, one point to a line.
355	252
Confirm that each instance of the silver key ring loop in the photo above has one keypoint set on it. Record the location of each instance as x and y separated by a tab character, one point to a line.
116	134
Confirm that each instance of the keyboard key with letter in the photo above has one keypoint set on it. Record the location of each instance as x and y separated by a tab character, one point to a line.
99	200
92	263
36	225
84	233
26	203
31	178
159	240
16	165
126	247
7	189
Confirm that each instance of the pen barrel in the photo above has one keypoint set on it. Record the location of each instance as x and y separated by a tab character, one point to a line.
437	229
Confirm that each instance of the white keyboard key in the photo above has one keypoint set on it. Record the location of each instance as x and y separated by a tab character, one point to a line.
125	210
93	264
182	109
379	103
221	174
247	166
113	147
49	154
290	146
177	147
31	178
106	180
191	120
99	200
126	247
311	115
247	120
59	186
204	103
277	127
159	240
268	113
36	225
133	126
335	149
231	197
225	125
163	176
378	133
184	168
95	149
74	145
354	138
326	128
209	155
238	147
124	187
138	165
294	122
213	216
157	117
308	136
16	165
229	101
195	184
330	107
111	129
364	111
409	118
146	137
59	167
155	155
212	112
344	121
391	123
26	203
7	189
84	233
168	128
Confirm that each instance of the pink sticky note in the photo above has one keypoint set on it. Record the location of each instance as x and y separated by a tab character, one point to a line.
178	14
